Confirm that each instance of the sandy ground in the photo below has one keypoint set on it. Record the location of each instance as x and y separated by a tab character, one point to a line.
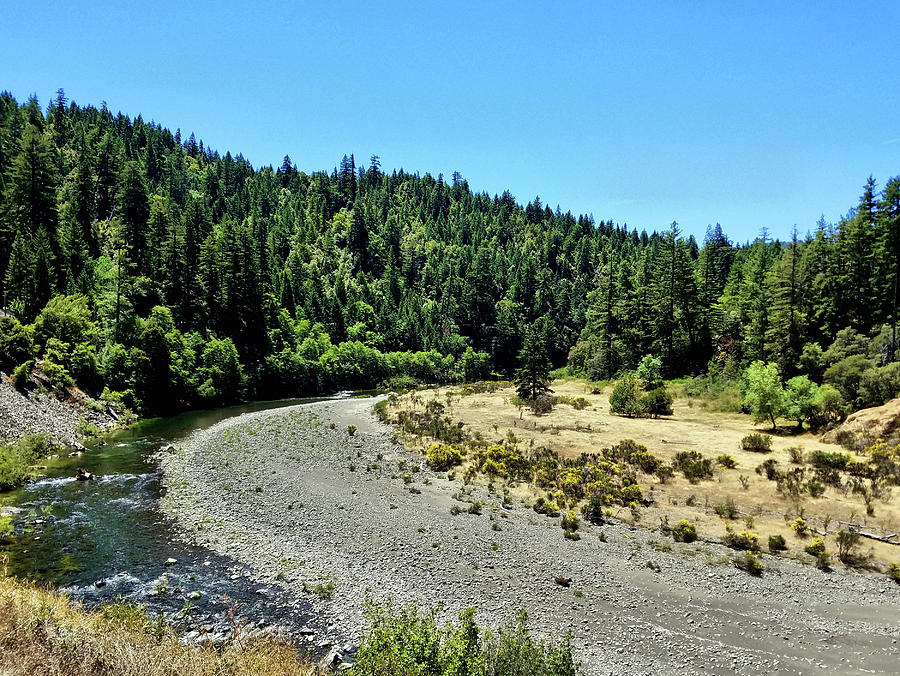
572	432
307	504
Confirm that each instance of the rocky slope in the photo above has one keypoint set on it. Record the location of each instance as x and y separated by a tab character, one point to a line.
30	412
313	507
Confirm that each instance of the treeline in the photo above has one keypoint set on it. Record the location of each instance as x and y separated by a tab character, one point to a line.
190	263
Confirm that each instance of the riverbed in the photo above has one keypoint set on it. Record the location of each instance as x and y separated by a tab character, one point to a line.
342	515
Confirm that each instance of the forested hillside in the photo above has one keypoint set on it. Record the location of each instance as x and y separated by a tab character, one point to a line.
150	265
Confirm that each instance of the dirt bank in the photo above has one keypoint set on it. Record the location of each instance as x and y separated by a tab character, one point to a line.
311	506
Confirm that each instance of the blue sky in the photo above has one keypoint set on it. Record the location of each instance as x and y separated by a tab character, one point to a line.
753	115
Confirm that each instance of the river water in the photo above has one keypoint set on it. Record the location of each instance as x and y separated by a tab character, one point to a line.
107	538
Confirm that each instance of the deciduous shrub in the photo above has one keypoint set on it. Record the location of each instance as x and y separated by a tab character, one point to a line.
626	398
693	465
740	540
759	443
847	541
657	402
684	531
815	547
406	641
726	461
442	457
799	526
777	543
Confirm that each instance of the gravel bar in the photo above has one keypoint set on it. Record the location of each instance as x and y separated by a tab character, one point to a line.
292	493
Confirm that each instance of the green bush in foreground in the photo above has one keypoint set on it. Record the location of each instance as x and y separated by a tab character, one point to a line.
406	641
15	458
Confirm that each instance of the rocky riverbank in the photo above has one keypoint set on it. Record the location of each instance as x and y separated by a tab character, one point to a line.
31	412
344	517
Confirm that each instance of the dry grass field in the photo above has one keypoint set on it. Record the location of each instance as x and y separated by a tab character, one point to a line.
758	505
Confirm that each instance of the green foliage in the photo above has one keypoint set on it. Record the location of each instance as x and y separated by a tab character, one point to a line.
327	281
816	547
726	461
764	395
801	397
799	526
442	457
693	465
657	402
22	373
406	641
17	457
16	345
740	540
777	543
649	370
684	531
627	398
760	443
533	374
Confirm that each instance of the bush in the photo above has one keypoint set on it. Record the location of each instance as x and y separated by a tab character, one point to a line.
796	453
569	522
22	373
442	457
542	404
799	526
759	443
741	540
847	541
15	342
727	509
829	460
893	572
749	562
815	547
693	465
726	461
657	402
16	458
410	642
593	510
684	531
626	398
777	543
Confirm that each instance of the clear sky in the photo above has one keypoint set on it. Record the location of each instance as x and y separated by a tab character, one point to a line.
751	114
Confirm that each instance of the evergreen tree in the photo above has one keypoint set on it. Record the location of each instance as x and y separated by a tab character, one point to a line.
533	374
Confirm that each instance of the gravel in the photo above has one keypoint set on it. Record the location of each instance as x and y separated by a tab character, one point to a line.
293	494
33	412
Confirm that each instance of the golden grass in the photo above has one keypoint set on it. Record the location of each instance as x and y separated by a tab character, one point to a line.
693	425
45	633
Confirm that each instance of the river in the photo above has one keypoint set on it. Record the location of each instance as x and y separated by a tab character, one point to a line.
105	539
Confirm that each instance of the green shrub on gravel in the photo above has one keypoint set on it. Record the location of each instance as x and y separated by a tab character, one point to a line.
740	540
749	562
442	456
410	642
893	572
684	531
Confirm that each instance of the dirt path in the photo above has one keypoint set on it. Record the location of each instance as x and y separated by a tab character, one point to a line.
308	505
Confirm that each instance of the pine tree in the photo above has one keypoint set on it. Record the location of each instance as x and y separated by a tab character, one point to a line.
533	374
